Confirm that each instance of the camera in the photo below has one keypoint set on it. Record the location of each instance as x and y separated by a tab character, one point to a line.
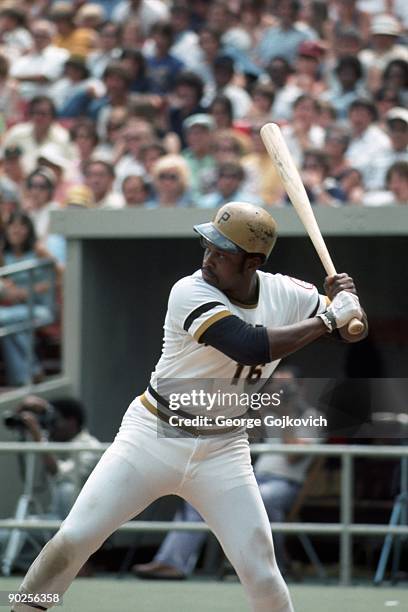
46	418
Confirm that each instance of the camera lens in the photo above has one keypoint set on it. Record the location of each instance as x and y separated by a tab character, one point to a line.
12	420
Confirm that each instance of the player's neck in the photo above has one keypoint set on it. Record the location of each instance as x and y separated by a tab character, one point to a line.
247	293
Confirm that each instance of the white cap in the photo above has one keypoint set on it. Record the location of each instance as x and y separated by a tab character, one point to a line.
398	112
199	119
52	153
385	24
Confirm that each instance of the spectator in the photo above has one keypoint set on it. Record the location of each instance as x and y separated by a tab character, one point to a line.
111	139
351	182
283	39
228	188
303	132
224	82
308	68
348	87
148	12
117	83
67	423
41	129
14	34
132	34
171	182
84	139
229	146
320	187
21	245
149	154
220	110
79	196
11	106
347	43
396	183
76	40
385	99
135	135
96	102
199	130
108	7
397	128
185	43
99	177
210	48
327	115
90	15
106	51
263	96
368	140
383	48
135	190
250	23
262	180
186	101
134	62
9	204
346	14
336	143
43	63
286	92
12	172
396	75
74	80
40	200
50	157
162	66
315	13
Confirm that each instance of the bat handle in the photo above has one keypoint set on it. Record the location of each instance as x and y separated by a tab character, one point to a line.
355	327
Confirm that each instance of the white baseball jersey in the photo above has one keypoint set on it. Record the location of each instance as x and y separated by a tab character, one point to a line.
194	305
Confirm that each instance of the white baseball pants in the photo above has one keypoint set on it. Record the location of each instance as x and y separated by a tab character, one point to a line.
214	474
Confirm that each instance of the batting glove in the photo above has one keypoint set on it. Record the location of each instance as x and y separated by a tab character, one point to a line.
344	307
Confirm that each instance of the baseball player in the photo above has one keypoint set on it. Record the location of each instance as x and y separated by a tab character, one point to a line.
227	321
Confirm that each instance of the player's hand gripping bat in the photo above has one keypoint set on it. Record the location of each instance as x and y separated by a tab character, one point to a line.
290	177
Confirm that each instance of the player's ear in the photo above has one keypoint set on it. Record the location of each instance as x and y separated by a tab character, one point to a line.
253	262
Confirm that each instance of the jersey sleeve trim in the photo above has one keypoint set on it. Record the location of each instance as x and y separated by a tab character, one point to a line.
195	314
316	308
204	326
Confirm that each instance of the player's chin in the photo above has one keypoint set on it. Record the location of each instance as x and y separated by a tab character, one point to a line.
209	277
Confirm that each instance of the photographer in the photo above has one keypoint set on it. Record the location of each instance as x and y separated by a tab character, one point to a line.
61	421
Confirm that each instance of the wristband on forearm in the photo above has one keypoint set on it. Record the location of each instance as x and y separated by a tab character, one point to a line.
329	320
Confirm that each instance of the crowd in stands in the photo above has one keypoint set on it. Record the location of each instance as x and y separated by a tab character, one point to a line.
159	103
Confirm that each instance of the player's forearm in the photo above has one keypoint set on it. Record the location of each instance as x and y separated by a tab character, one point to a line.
288	339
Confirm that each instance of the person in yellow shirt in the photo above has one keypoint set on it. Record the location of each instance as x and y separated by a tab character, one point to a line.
77	40
262	180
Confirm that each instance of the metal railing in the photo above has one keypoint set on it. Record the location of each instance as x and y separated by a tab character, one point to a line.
30	324
346	529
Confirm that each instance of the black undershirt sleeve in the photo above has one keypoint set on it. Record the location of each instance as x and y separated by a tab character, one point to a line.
238	340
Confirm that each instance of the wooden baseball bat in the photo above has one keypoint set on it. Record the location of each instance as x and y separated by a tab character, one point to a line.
289	174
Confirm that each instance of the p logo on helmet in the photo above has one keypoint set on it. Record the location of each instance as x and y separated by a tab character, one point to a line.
241	227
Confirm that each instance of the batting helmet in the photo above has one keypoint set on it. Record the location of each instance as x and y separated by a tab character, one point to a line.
241	227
